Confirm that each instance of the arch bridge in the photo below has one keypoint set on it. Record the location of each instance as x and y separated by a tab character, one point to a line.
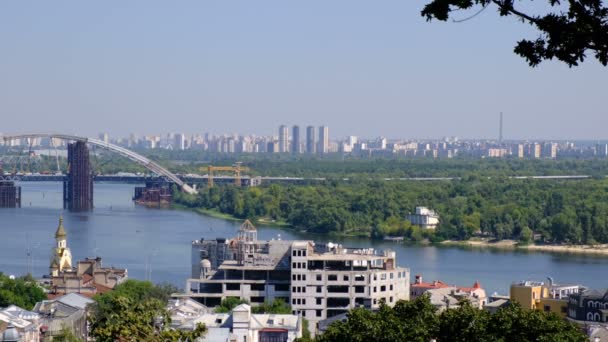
135	157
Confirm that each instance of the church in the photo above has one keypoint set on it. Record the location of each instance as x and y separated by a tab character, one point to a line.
88	277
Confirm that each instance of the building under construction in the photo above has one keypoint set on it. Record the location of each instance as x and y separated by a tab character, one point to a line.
10	195
78	189
154	194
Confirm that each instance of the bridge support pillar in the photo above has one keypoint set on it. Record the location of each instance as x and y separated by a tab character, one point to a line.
78	188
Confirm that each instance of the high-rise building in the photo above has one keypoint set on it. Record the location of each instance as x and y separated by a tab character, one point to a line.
104	137
323	140
179	141
283	139
310	139
500	129
295	139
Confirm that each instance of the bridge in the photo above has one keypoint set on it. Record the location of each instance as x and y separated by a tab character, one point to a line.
135	157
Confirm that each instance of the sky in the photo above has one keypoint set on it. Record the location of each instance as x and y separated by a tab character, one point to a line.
365	68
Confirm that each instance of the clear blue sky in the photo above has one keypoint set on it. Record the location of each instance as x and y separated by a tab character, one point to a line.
365	68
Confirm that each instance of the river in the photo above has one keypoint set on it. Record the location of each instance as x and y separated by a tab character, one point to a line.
155	243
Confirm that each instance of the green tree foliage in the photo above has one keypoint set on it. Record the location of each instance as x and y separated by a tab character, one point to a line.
561	211
23	292
418	321
136	311
277	306
568	30
228	304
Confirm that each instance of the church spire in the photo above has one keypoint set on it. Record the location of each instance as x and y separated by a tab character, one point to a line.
60	234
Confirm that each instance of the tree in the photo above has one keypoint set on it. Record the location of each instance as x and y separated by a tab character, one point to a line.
418	321
125	319
136	311
228	304
277	306
23	292
564	35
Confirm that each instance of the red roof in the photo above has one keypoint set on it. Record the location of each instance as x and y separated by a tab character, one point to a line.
437	284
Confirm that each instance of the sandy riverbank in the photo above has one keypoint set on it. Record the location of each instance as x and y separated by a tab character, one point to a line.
512	244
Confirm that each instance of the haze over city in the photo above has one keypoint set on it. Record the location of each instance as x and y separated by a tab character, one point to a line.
362	68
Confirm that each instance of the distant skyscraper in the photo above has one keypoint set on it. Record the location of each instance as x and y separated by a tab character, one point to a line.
295	139
283	139
500	129
323	140
310	139
104	137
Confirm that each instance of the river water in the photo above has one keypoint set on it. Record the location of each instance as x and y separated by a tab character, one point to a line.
155	244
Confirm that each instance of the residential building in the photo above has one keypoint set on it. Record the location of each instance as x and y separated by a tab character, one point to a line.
424	217
283	139
318	280
17	324
549	296
65	312
310	139
588	306
323	143
476	294
451	297
295	139
242	325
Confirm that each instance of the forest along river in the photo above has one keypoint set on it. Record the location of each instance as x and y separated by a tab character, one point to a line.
154	243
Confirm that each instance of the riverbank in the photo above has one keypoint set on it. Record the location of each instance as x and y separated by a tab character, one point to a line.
515	245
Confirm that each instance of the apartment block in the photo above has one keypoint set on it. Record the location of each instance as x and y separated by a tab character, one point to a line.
318	280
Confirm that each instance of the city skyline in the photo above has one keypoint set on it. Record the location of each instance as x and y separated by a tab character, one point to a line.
86	68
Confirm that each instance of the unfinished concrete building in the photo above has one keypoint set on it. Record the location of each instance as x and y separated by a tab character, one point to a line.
318	280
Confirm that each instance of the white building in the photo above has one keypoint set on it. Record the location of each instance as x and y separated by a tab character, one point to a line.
318	281
242	325
424	217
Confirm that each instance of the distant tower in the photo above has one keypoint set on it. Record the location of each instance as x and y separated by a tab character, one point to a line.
310	139
295	139
500	129
61	259
323	140
283	139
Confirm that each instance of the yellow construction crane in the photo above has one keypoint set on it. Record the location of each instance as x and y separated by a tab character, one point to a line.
236	168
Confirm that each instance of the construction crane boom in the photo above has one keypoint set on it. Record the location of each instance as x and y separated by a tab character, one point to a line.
236	169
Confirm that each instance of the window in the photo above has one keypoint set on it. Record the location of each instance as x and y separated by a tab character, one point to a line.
319	277
359	277
293	253
293	289
391	287
391	299
303	301
345	278
319	301
319	313
332	277
293	265
547	308
382	288
293	301
319	290
233	287
303	277
374	289
392	275
293	277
